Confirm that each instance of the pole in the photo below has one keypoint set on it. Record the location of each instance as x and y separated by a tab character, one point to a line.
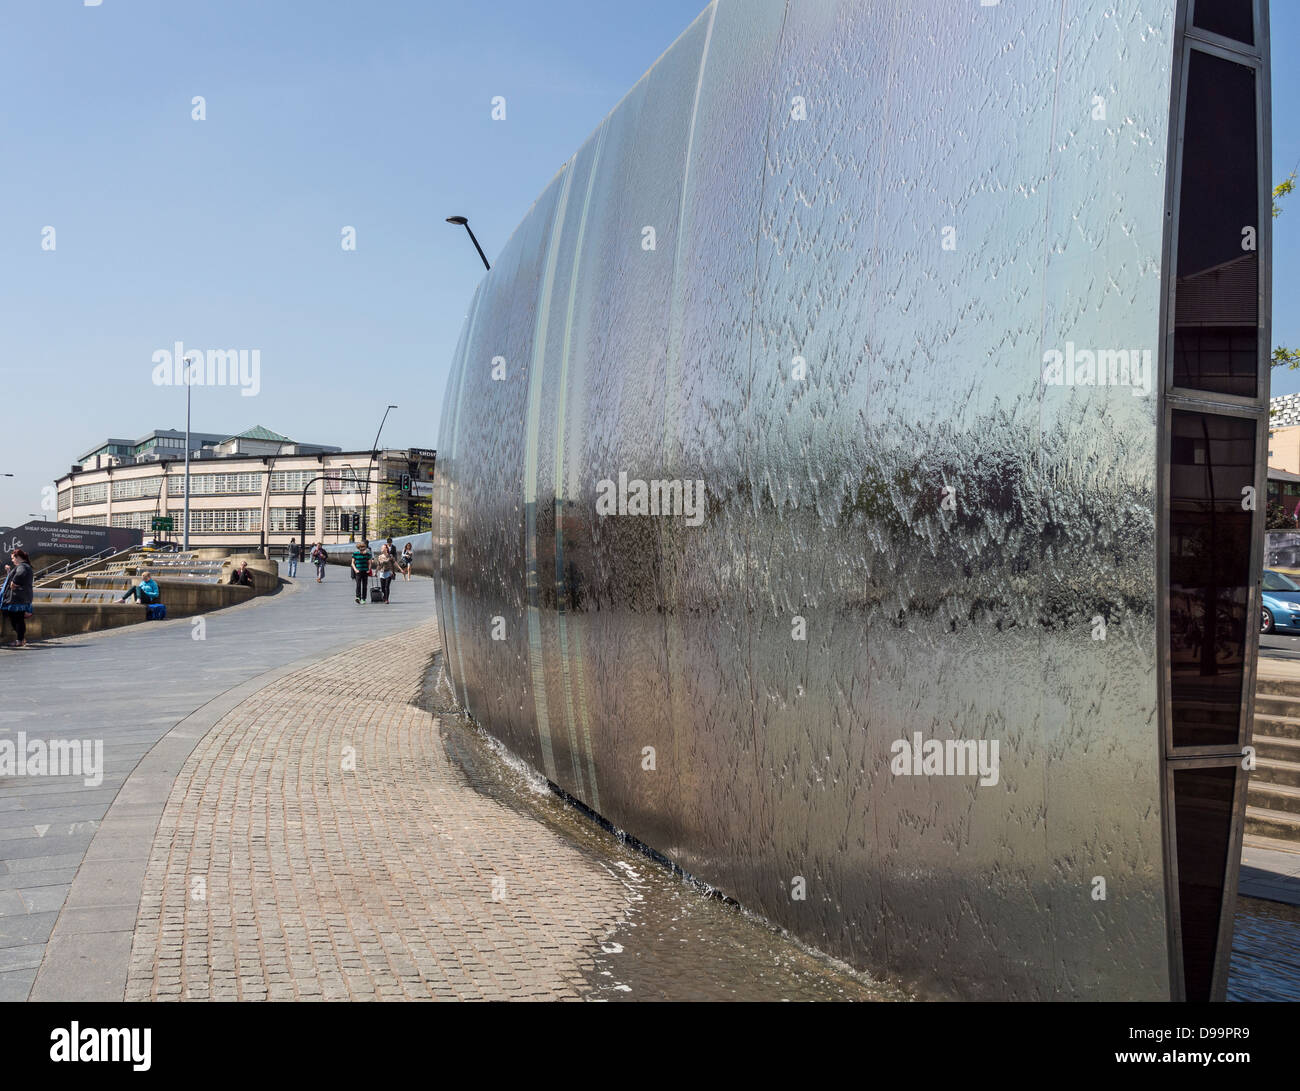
374	451
185	536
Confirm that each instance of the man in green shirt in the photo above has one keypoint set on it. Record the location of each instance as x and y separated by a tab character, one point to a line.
361	569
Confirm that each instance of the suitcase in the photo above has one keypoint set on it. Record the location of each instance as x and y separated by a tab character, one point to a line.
156	611
376	594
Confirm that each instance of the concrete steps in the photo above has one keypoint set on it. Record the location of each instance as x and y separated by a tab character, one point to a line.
1273	796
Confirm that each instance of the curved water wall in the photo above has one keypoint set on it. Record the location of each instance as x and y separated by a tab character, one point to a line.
784	521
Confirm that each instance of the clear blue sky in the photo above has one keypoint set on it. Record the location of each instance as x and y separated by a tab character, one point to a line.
225	233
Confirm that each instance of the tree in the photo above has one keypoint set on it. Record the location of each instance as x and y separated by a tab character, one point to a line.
397	515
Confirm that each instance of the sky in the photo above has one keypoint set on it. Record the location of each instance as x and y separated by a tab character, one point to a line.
226	232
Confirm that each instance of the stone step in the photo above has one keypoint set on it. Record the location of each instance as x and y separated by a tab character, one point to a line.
1273	704
1270	686
1277	727
1280	825
1287	750
1271	771
1274	797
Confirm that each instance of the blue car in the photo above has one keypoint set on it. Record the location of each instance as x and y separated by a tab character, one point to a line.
1281	597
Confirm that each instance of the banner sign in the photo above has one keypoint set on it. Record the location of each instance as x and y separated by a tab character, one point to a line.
68	539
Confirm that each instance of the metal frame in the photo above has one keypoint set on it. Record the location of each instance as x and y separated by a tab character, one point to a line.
1187	38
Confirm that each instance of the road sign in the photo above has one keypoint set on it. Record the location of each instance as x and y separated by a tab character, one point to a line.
162	522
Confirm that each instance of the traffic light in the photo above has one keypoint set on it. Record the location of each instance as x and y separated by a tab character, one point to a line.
406	483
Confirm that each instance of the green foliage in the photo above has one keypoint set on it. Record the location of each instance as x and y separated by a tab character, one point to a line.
1282	189
392	519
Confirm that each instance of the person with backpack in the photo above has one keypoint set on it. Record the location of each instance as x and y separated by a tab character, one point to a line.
321	559
16	596
361	570
295	553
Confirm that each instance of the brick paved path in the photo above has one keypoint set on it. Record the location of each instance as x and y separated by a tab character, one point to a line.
288	866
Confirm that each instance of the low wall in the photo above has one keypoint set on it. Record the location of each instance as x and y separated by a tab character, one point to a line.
421	552
183	598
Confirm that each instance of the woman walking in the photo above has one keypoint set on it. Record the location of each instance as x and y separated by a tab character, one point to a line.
386	566
406	562
321	559
16	596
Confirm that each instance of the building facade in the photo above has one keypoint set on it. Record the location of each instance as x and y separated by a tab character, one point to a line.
248	490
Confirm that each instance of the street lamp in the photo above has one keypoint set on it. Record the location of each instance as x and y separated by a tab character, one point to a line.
37	515
374	450
185	536
461	221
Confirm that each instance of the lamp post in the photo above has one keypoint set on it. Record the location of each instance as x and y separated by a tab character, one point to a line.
374	450
461	221
185	537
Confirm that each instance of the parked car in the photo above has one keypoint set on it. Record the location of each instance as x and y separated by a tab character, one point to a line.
1281	602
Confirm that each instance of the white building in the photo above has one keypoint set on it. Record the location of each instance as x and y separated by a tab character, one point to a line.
246	490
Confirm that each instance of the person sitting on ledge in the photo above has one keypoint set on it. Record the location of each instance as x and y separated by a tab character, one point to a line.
242	575
145	592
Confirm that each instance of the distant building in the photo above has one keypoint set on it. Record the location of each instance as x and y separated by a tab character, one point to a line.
247	489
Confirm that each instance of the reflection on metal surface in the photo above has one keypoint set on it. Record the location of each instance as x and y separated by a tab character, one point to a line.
817	260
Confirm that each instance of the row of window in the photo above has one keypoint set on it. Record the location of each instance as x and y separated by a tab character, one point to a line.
216	484
136	488
208	484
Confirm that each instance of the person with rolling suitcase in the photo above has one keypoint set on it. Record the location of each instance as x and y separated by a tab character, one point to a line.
361	569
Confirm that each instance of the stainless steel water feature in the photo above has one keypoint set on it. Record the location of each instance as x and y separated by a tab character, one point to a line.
819	259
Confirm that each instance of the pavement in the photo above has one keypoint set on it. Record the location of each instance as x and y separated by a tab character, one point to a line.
279	818
127	689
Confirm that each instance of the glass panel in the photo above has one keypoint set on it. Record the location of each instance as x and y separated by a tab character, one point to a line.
1203	814
1212	462
1231	18
1216	308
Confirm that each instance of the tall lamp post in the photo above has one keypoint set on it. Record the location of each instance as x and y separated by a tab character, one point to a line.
461	221
185	537
370	471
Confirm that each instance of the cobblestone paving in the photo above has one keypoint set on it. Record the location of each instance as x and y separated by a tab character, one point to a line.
319	845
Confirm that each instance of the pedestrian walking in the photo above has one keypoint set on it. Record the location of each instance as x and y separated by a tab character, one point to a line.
295	553
321	558
405	562
16	596
361	570
386	567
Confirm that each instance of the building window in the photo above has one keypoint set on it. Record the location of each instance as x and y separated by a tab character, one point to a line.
332	518
90	494
216	484
92	520
135	488
226	521
133	520
346	479
1231	18
285	521
65	500
291	480
1216	297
